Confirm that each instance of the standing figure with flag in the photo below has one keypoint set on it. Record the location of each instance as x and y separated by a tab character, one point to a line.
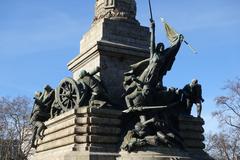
149	72
161	59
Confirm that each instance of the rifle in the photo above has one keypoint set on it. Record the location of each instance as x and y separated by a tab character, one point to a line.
142	108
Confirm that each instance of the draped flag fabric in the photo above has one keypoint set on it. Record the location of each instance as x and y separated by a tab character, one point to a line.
173	35
170	32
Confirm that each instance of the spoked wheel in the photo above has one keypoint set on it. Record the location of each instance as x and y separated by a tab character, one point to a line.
67	94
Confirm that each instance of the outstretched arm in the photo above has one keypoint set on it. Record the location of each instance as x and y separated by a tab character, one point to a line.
152	39
175	47
172	51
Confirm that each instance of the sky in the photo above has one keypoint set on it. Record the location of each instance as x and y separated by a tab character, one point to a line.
39	38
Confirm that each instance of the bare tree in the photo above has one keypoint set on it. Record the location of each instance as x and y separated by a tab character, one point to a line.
15	131
225	145
228	113
222	146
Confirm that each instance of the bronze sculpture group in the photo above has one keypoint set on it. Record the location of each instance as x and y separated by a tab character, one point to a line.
155	106
88	90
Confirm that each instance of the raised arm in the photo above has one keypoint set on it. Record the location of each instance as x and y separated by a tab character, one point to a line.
170	54
172	51
152	38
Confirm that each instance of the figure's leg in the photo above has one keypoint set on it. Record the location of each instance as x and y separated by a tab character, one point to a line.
93	97
52	112
199	109
189	107
34	138
96	94
129	99
41	127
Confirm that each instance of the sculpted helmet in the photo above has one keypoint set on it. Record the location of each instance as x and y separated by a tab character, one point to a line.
82	74
48	88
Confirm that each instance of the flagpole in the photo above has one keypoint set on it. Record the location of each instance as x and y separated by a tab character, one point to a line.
150	9
193	50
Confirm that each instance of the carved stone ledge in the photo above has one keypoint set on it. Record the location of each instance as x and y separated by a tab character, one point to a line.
81	133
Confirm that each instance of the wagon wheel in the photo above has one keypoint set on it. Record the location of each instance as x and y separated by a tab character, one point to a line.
68	95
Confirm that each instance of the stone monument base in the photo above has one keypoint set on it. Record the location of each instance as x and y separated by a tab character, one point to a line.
65	153
81	134
155	153
94	134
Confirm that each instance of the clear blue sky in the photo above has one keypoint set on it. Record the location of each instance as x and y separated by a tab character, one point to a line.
39	38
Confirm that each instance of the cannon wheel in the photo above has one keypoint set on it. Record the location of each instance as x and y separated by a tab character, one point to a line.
68	95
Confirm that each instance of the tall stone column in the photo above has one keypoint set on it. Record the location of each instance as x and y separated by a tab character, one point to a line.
114	41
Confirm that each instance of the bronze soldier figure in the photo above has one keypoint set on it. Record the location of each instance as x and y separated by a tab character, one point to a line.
92	87
193	94
41	112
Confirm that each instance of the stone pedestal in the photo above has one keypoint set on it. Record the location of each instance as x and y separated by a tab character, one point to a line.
81	134
113	45
191	130
155	153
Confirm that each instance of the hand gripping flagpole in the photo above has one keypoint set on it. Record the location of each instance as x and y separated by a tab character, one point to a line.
164	23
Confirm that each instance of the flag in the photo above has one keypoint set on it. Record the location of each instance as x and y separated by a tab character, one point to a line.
173	35
170	32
